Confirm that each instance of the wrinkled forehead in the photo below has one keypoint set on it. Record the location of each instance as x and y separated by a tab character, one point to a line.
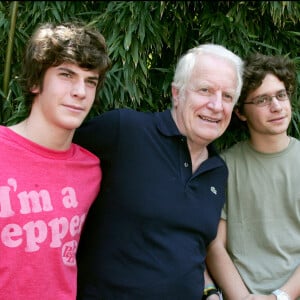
214	69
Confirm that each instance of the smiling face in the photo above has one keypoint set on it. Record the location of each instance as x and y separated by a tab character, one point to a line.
269	120
202	110
67	96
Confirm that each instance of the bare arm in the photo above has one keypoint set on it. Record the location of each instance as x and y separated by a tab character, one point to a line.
209	282
226	276
292	287
222	268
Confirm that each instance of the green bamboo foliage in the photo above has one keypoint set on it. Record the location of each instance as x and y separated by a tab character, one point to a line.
14	8
145	40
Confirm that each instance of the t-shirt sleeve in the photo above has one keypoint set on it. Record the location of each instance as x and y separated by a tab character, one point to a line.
224	212
224	209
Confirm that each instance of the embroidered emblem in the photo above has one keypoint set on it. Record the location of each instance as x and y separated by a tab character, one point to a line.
213	190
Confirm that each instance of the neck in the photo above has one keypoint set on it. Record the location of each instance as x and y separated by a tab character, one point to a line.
198	157
55	138
270	143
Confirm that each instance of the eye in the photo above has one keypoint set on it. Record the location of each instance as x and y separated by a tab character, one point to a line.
203	91
92	83
281	95
261	100
65	74
227	97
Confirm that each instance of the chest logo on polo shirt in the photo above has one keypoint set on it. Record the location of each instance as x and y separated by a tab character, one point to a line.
213	190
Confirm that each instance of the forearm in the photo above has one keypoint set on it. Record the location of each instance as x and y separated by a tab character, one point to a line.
222	269
208	281
210	285
292	286
226	276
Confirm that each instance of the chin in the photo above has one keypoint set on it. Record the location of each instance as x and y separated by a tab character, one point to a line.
71	124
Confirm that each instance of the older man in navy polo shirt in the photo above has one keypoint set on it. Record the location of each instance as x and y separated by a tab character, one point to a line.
163	186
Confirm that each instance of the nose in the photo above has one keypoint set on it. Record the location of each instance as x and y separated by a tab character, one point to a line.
78	89
275	104
215	101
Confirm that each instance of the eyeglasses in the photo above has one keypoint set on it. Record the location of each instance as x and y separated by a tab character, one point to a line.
265	100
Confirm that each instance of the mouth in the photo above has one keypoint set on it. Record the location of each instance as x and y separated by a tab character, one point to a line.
74	108
210	120
277	119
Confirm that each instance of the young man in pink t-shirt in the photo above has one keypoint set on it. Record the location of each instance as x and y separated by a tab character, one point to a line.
44	176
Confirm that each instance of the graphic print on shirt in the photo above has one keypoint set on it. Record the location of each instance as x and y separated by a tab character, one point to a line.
29	236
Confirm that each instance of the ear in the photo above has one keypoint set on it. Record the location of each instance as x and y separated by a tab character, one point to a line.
241	116
35	89
175	95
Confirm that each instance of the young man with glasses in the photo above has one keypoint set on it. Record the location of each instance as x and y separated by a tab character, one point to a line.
256	254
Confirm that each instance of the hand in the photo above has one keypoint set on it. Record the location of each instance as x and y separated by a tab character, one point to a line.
213	297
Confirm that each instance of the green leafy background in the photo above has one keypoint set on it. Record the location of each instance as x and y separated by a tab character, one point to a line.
145	40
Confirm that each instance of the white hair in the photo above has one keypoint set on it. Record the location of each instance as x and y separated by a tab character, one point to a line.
187	62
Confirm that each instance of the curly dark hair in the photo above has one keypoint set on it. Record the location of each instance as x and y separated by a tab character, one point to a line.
52	45
257	66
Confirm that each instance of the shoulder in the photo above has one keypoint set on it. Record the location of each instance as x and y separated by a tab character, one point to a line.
234	151
292	152
134	115
133	120
125	114
295	142
82	153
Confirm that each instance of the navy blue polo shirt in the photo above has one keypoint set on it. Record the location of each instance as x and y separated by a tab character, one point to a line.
146	235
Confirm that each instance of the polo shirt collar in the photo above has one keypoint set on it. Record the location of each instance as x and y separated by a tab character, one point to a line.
167	126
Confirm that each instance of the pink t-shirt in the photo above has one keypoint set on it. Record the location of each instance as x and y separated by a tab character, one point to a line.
44	199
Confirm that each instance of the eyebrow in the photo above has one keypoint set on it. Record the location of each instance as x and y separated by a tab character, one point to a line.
266	94
74	73
209	84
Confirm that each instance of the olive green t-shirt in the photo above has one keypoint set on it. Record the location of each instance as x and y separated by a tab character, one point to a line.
263	214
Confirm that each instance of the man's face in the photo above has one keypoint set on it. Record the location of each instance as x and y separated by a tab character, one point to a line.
67	95
203	110
271	119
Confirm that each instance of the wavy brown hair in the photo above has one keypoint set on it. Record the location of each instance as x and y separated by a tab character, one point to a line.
257	66
52	45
